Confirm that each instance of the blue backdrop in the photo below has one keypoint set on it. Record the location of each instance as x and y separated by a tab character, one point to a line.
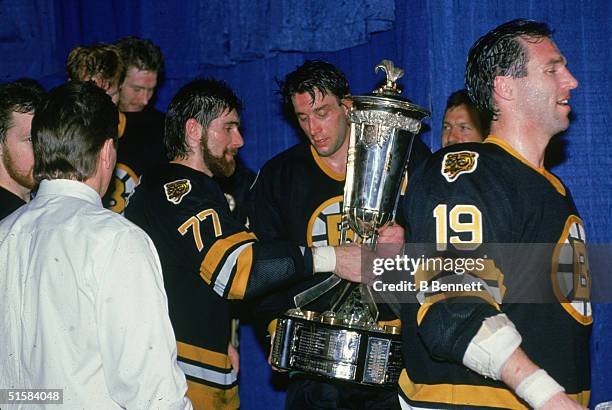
250	43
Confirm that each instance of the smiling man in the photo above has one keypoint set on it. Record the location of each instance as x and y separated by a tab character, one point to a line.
17	104
502	347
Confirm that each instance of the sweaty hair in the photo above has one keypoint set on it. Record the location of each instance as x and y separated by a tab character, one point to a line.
311	76
21	96
201	99
142	54
500	52
101	61
69	130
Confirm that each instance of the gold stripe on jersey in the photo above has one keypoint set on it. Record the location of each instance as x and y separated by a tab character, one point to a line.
326	169
469	395
122	123
205	356
221	259
241	278
491	139
207	397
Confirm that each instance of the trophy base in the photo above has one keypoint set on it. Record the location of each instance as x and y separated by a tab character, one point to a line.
367	355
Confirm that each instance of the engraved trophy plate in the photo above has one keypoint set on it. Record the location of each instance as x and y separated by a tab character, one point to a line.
336	351
345	342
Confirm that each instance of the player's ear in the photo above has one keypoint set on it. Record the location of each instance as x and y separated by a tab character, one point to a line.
106	154
193	132
503	87
346	103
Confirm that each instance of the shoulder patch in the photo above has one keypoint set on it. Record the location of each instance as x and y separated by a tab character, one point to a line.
176	190
457	163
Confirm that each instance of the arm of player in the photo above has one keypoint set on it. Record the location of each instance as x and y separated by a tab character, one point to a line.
494	352
137	343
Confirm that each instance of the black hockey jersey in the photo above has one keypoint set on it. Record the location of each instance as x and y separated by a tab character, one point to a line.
207	258
297	198
9	202
469	196
140	149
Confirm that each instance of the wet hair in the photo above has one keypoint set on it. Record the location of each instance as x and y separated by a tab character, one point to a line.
69	130
462	97
21	96
142	54
102	61
500	52
311	76
201	99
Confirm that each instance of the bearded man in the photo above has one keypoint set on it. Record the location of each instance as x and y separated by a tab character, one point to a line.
209	257
17	103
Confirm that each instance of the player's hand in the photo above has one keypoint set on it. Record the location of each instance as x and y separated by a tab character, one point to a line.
390	241
561	401
348	263
234	357
391	233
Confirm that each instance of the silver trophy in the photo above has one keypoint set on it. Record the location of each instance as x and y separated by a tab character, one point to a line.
346	342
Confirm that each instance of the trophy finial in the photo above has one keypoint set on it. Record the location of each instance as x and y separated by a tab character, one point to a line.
393	74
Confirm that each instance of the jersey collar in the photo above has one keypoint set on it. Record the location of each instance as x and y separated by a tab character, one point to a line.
556	183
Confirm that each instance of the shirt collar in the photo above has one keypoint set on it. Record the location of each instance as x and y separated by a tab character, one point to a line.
68	187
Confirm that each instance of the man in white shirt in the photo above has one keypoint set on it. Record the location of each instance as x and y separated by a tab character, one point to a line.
82	302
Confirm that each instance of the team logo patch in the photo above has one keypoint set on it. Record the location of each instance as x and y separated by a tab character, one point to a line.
457	163
571	275
176	190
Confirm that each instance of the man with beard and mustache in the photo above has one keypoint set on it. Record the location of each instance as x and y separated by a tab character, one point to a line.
17	103
208	257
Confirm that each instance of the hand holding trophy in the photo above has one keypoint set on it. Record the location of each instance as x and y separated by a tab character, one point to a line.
345	342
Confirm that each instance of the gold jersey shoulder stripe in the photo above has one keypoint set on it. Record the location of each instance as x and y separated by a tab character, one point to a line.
469	395
216	256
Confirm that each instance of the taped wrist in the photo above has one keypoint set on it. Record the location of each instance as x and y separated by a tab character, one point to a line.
494	342
323	259
537	388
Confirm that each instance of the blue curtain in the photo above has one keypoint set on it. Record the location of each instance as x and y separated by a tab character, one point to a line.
250	44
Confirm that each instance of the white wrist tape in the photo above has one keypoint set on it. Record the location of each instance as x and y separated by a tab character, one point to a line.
495	341
537	388
324	259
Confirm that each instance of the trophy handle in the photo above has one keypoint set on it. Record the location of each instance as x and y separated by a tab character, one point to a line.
313	293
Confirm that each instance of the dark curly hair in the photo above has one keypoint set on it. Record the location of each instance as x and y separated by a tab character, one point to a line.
500	53
22	96
201	99
311	76
98	60
142	54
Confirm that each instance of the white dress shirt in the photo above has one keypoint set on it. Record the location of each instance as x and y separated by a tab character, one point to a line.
83	306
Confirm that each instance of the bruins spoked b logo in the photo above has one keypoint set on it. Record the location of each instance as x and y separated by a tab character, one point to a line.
325	223
570	271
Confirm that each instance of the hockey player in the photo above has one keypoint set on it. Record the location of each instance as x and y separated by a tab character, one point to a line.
499	353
